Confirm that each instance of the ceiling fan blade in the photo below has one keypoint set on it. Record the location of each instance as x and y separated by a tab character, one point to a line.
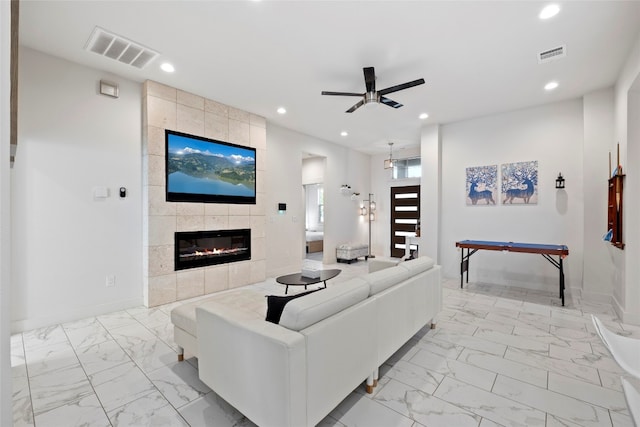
355	107
370	79
390	102
401	87
324	92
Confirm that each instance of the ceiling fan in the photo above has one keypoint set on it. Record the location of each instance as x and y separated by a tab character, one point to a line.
371	95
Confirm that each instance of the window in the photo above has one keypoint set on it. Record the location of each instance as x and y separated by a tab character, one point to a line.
407	168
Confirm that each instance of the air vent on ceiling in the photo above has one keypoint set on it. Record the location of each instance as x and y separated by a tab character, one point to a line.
119	48
552	54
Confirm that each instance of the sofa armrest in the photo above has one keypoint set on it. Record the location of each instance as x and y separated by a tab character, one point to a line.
257	366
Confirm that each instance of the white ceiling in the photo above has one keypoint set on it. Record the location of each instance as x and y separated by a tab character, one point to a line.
477	57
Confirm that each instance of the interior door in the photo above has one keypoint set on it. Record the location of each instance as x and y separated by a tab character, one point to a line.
405	213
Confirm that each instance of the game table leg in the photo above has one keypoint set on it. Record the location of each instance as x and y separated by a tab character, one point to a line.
561	281
461	267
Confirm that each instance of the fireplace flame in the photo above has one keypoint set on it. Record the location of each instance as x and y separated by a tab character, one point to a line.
212	252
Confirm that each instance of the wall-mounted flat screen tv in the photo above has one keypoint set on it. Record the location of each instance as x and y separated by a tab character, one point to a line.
205	170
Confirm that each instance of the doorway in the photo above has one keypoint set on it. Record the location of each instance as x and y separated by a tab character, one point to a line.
405	217
313	171
314	221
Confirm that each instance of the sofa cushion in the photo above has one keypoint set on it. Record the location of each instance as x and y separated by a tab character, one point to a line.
276	303
383	279
184	316
248	300
380	263
418	265
304	312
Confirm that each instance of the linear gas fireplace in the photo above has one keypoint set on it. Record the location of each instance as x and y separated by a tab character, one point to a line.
201	248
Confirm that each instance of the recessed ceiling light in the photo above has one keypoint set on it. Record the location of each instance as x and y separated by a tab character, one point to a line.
551	86
281	110
549	11
344	133
423	116
166	67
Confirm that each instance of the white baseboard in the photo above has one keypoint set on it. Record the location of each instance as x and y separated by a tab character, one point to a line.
626	317
72	315
597	297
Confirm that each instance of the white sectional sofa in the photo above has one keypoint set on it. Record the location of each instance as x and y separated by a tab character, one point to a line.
327	343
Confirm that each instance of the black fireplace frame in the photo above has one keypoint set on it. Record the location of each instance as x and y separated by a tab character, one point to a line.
206	261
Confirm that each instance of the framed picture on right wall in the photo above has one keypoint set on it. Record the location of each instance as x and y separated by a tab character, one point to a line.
520	183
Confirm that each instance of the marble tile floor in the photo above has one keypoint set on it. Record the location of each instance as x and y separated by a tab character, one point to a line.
500	356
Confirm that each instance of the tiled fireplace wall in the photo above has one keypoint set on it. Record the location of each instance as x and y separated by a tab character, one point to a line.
165	107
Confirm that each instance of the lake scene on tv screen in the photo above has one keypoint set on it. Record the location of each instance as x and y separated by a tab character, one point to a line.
203	167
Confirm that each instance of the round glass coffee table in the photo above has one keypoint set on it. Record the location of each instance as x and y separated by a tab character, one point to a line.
297	279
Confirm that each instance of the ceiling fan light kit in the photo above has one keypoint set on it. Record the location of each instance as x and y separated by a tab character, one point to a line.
373	97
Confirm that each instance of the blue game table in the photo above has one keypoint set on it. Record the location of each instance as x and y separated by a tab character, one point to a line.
547	251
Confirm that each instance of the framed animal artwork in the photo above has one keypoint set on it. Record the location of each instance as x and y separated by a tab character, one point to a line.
520	183
482	185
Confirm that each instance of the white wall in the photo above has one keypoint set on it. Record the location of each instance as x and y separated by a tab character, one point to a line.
599	270
5	228
313	170
552	135
626	289
632	211
285	232
65	242
431	191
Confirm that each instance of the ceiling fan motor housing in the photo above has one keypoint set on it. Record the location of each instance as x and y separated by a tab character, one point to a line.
371	97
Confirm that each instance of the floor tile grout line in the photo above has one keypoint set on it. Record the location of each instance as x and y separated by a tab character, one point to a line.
147	375
577	398
26	368
130	359
85	371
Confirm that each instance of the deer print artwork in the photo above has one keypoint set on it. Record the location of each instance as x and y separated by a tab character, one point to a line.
520	183
482	184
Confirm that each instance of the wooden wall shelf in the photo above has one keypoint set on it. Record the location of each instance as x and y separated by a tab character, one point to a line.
614	210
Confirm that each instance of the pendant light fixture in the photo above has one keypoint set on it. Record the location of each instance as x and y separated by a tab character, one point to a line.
388	163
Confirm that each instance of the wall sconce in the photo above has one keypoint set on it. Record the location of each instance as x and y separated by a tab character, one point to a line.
560	181
345	189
